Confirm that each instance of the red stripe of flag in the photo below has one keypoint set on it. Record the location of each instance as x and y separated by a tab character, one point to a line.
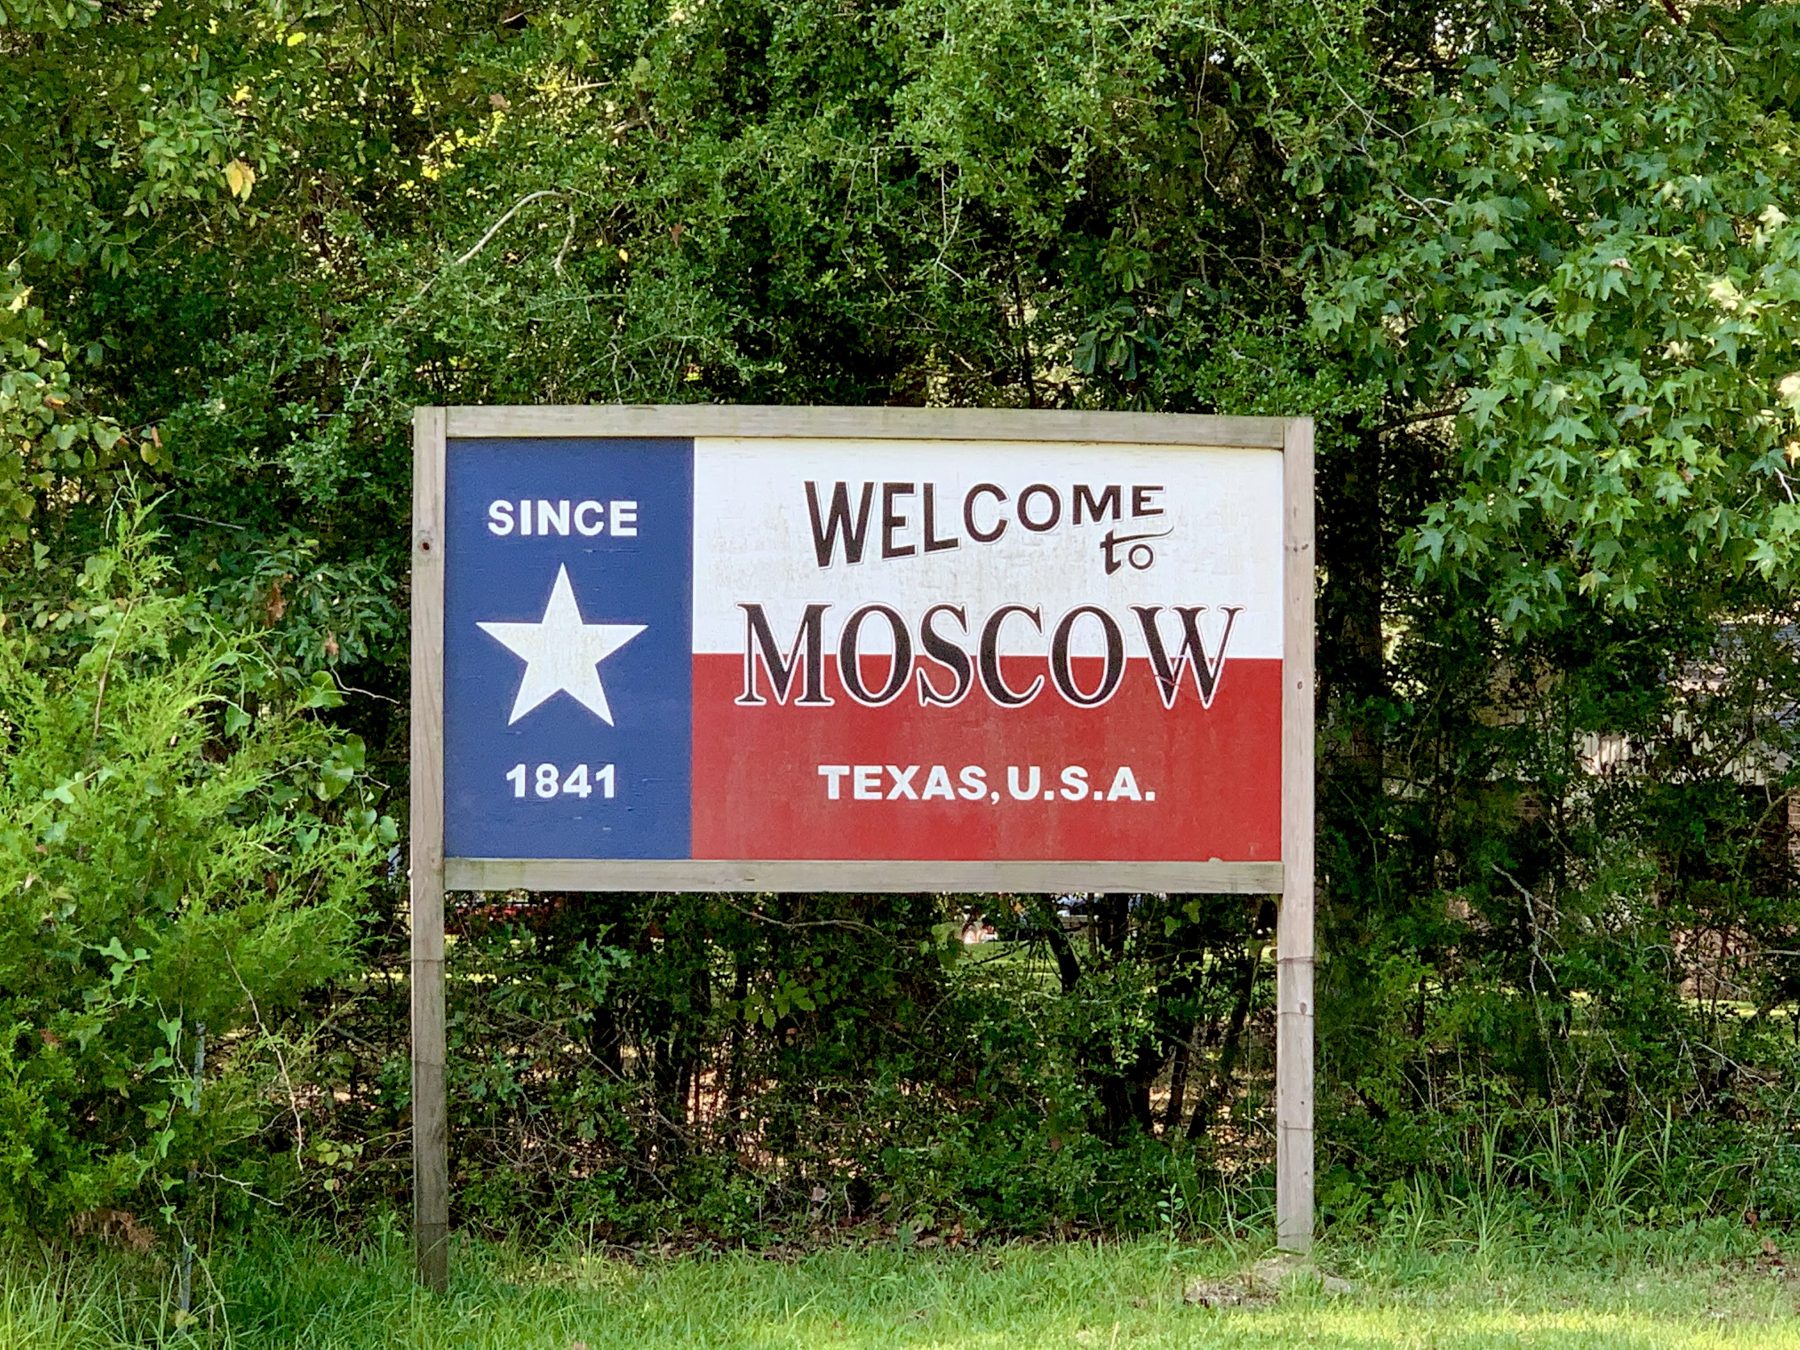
1215	772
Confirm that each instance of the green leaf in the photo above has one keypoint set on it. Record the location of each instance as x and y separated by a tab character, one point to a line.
321	691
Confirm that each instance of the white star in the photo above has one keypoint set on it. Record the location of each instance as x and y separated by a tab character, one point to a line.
562	654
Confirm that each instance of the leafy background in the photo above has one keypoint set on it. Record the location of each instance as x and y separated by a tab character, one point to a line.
1536	274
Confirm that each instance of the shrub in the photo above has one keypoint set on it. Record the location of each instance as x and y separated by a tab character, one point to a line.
177	866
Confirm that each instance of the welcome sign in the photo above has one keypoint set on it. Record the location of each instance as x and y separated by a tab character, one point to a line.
876	650
827	645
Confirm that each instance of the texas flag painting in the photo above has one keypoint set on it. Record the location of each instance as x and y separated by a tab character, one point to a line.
773	648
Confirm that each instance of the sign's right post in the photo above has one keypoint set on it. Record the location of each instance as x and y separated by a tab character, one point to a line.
1294	927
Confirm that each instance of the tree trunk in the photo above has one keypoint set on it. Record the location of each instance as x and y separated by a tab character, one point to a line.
732	1111
1220	1087
1178	1076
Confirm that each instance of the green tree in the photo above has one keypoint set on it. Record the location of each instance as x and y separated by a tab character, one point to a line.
177	868
1585	254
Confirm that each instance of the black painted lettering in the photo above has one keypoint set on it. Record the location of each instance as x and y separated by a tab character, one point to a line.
806	657
933	544
838	524
947	654
850	657
1062	663
998	493
991	678
893	520
1207	669
1102	507
1045	493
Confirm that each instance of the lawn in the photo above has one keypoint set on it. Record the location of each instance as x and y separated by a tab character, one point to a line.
1716	1285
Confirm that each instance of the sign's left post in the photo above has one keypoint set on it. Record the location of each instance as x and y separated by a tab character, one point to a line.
431	1164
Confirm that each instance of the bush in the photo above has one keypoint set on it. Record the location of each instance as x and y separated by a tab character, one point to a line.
177	867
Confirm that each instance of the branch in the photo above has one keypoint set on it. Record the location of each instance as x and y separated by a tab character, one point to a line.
1414	419
481	243
106	667
496	227
280	1059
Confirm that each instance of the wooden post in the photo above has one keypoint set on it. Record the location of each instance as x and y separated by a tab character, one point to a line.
431	1168
1294	929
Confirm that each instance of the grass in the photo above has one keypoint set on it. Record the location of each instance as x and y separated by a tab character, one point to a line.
1418	1282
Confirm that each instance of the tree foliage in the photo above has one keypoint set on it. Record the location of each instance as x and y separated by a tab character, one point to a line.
1587	255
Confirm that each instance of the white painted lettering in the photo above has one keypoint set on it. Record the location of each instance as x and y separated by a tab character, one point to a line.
553	517
542	516
1124	786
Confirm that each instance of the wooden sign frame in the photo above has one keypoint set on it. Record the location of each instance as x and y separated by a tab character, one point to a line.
434	428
